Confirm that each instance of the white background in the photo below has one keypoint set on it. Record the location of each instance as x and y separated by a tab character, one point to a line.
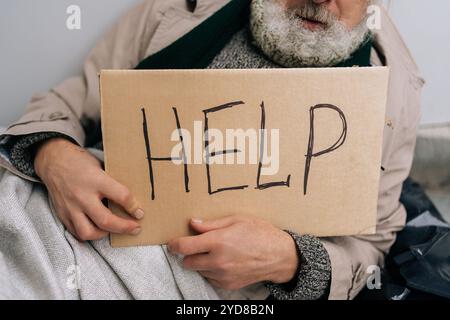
37	51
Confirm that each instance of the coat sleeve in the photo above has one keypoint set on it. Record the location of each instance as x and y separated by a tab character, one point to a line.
72	108
352	256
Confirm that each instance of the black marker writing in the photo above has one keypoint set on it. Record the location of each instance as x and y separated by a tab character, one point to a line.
150	159
209	155
310	153
259	185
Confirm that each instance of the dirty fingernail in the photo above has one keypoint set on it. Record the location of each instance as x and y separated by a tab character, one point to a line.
139	214
136	231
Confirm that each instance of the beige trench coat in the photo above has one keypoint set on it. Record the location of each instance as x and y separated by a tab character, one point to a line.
154	25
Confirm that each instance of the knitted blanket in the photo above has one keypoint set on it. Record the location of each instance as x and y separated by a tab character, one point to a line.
39	259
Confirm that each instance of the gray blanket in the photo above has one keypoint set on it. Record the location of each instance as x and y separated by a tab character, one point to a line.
39	259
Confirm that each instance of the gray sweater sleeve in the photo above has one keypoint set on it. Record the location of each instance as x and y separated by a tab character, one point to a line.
22	150
313	277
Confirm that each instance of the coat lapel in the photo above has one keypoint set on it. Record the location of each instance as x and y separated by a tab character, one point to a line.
197	48
177	20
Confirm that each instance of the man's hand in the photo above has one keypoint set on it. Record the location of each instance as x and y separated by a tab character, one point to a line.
77	184
236	251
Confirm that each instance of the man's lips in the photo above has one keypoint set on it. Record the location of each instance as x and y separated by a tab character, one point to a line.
310	23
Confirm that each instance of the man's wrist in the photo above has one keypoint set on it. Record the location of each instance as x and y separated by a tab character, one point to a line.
287	262
45	152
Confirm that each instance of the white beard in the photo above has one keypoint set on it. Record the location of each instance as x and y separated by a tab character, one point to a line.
279	34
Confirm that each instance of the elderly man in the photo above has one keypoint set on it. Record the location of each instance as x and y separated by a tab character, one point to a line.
47	143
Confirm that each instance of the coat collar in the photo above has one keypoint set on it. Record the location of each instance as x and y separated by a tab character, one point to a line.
175	20
197	48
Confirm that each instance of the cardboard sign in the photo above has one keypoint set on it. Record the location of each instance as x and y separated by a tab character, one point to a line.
298	147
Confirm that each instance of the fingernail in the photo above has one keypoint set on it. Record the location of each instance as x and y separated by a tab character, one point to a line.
136	231
139	214
196	220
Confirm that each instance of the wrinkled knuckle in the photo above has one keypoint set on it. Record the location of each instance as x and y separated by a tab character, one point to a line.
76	195
125	196
220	265
127	227
71	196
227	269
85	234
98	235
104	222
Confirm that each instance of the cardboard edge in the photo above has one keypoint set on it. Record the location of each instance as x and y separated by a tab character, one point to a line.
105	158
231	71
385	71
